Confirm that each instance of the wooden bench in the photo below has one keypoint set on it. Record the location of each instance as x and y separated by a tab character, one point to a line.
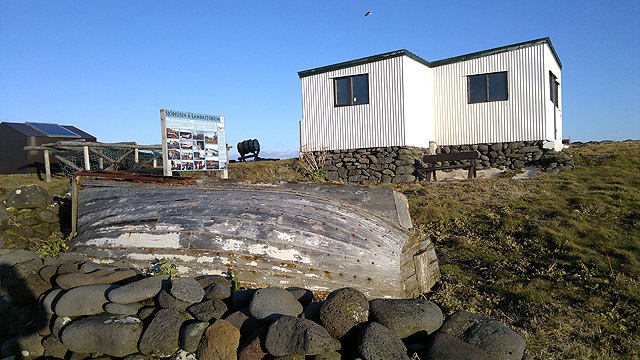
431	161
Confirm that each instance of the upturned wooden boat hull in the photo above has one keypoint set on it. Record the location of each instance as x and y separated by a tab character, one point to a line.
318	236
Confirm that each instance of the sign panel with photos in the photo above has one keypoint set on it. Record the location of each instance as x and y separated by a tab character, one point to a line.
192	141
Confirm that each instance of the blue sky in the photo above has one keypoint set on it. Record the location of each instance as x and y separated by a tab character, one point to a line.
108	67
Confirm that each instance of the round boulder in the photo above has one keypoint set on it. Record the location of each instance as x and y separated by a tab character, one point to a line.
271	303
115	335
486	334
160	338
343	310
187	290
29	197
292	335
376	342
220	341
139	290
406	317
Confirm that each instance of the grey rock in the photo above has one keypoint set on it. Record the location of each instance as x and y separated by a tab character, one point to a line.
146	313
406	317
332	176
160	338
292	335
447	347
66	268
343	310
312	311
218	291
21	282
58	324
27	347
244	322
190	335
253	347
270	303
115	335
376	342
48	272
139	290
53	347
103	276
303	295
82	300
18	256
207	310
167	301
187	290
122	309
10	348
49	299
486	334
207	280
89	266
220	341
29	197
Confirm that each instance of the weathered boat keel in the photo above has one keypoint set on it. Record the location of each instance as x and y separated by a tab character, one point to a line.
317	236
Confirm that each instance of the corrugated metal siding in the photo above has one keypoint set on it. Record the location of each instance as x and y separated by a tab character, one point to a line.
418	95
550	64
377	124
520	118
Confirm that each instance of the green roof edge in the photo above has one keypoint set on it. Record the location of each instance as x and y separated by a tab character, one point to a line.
366	60
451	60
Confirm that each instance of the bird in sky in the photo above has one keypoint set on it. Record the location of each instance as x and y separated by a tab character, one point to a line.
368	13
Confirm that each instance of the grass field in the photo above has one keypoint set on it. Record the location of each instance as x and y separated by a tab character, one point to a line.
556	257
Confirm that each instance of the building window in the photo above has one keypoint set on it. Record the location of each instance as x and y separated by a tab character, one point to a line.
554	87
351	90
487	87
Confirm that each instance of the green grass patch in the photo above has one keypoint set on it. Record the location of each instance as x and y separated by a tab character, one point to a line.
556	257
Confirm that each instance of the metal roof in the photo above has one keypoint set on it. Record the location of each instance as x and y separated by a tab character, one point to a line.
451	60
24	129
48	130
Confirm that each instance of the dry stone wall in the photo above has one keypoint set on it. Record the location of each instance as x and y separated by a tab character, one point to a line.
72	308
28	212
401	164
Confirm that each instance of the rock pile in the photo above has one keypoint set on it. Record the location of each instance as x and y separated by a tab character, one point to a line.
400	164
73	308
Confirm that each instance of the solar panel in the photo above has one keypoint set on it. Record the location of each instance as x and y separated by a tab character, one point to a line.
52	129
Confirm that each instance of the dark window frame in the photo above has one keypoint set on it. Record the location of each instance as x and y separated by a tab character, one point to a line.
350	78
554	90
487	93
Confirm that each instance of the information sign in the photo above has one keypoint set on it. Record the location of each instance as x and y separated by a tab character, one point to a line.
192	142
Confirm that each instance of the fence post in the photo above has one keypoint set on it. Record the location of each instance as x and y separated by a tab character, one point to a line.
225	172
136	158
47	165
87	164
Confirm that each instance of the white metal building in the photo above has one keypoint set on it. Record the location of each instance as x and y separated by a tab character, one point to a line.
506	94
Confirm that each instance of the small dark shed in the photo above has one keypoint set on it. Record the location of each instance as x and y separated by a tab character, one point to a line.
15	136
